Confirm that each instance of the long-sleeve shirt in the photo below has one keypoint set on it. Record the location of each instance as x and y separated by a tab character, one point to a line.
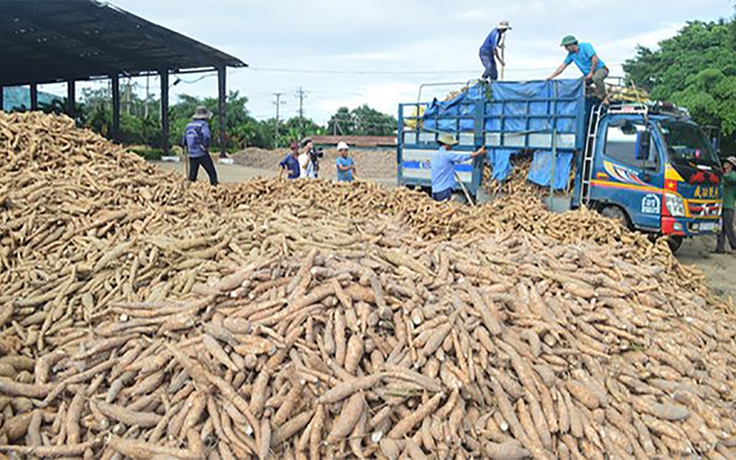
491	43
729	190
443	169
197	138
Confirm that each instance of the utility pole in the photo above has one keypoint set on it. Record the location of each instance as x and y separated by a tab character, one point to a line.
301	94
278	103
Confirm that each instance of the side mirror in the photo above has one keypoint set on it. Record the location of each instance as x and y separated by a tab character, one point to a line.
643	141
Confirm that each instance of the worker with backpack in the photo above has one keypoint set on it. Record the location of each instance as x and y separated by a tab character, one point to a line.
196	141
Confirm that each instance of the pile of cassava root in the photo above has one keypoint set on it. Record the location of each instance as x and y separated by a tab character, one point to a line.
141	317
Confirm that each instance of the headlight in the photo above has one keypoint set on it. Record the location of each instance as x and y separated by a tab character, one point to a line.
675	205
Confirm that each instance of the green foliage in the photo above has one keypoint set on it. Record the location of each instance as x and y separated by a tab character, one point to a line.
362	121
140	122
695	69
148	153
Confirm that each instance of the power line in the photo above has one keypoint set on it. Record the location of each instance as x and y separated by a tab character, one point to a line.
387	72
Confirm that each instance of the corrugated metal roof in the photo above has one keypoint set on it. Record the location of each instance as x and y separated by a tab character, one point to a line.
50	41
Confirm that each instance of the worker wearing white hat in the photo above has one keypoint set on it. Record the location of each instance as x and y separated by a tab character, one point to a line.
490	51
345	165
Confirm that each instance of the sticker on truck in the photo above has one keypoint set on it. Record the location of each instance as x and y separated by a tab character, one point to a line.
651	204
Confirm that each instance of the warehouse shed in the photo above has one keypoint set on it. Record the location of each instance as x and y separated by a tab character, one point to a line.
81	40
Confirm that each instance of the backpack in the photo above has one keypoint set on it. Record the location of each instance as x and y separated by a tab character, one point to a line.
194	136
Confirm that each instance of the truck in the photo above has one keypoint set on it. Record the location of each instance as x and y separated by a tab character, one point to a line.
644	163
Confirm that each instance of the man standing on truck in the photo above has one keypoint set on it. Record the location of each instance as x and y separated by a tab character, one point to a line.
490	51
443	166
729	197
587	60
196	141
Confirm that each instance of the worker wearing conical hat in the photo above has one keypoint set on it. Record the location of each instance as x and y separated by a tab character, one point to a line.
442	166
196	141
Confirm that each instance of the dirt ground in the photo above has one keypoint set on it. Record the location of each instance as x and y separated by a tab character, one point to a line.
720	270
370	165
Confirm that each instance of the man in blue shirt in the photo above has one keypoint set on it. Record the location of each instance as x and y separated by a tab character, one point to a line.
443	166
196	141
586	59
345	165
291	163
489	51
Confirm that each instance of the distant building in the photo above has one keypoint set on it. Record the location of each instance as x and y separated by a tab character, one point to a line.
19	97
359	143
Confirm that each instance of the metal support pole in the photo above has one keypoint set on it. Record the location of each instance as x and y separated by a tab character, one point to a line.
71	98
554	166
2	99
222	99
115	107
34	96
165	111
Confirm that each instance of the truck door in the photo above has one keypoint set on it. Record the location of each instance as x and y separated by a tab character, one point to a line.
626	178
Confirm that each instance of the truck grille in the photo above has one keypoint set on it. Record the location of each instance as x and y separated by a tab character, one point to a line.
705	209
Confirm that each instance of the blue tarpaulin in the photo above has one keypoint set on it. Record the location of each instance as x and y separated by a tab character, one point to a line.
523	108
541	170
500	162
512	107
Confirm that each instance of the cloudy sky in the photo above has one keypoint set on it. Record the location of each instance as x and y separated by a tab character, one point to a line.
348	52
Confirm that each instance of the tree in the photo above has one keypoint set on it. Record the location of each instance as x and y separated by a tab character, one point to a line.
361	121
370	122
695	69
294	129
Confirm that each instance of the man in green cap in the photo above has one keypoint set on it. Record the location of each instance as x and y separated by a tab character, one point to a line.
729	198
585	57
443	166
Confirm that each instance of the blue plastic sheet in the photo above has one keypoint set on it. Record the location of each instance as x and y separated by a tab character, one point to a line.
533	106
500	161
516	107
512	107
541	170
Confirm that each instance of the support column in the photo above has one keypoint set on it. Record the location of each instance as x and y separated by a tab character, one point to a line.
222	90
2	98
115	107
165	111
71	98
34	96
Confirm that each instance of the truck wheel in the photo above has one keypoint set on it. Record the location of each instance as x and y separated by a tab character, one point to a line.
616	213
674	243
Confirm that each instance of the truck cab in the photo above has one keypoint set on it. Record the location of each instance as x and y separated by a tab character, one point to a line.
653	169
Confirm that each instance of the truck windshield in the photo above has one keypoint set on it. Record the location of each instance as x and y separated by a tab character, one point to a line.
686	143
